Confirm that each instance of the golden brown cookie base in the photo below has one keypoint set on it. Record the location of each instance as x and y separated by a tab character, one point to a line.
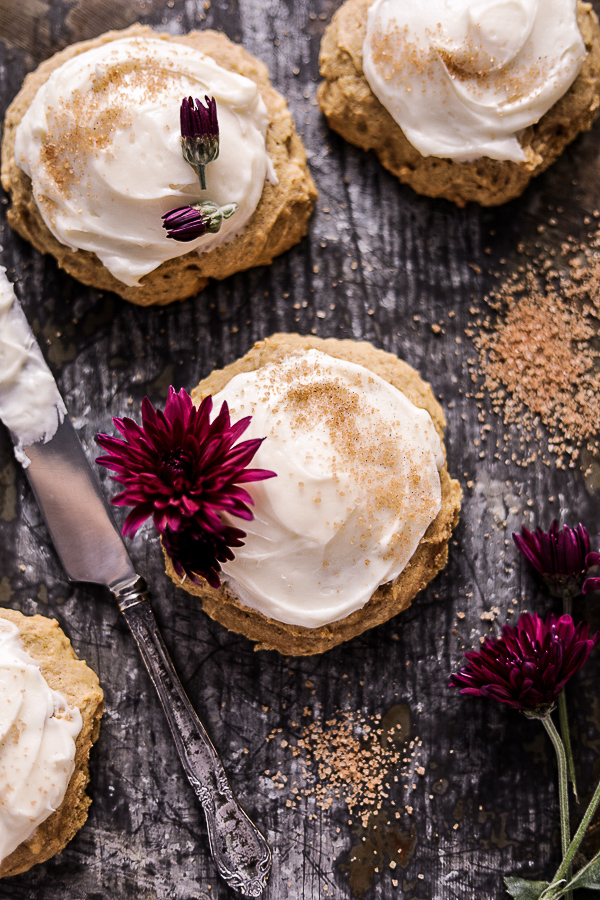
279	221
354	111
389	599
51	649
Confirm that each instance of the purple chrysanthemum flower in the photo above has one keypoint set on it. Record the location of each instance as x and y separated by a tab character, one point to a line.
591	584
559	556
529	665
197	554
199	134
186	223
181	468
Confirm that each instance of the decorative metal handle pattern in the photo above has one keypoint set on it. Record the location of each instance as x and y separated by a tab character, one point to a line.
238	848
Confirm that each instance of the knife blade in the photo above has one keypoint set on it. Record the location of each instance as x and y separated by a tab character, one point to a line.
91	550
88	543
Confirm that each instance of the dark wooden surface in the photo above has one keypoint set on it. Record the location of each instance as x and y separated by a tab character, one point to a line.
379	263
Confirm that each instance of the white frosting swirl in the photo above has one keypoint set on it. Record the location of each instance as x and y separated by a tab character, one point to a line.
37	743
101	144
357	486
30	403
462	78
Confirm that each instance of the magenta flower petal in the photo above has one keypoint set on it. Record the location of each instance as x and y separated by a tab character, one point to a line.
528	665
136	519
197	554
184	471
199	131
559	556
592	583
185	223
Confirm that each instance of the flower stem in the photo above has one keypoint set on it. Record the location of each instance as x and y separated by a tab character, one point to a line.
566	738
565	866
563	795
201	170
562	712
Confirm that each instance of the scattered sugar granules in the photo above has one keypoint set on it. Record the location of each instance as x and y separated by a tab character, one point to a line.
539	355
353	758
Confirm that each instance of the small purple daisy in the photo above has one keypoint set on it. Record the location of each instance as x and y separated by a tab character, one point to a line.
558	555
528	665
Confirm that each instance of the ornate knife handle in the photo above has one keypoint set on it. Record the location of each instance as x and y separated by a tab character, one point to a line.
238	848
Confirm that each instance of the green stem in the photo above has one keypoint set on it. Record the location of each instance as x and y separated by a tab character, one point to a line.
563	795
562	712
563	871
201	170
566	738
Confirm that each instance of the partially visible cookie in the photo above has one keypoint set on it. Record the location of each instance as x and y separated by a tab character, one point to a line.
279	221
340	409
49	647
353	110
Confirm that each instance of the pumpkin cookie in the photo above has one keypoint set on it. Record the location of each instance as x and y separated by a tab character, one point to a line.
51	701
359	516
92	158
466	106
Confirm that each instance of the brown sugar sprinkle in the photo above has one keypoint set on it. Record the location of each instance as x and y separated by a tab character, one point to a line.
399	58
351	759
87	121
74	133
390	475
339	409
540	356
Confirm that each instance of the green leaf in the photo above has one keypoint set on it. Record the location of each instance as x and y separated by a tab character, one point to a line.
588	877
525	890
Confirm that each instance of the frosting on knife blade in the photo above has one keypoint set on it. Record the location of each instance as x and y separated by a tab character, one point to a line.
30	404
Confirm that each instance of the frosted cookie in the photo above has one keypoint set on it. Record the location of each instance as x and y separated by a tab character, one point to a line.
50	710
466	100
92	159
359	513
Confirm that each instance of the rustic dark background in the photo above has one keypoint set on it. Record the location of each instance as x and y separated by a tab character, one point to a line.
379	263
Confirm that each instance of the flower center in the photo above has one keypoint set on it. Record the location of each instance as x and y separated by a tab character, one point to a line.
175	468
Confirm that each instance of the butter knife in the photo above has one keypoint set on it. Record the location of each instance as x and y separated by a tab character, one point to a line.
91	550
